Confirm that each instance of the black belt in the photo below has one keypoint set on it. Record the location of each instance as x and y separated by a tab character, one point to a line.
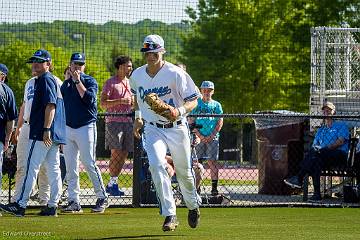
167	125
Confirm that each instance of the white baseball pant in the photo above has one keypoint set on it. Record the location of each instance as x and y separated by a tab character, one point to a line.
177	140
82	140
22	148
38	154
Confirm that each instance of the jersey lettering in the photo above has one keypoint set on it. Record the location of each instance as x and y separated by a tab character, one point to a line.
160	91
171	102
30	93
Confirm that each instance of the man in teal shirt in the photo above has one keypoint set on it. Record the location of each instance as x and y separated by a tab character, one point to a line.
209	134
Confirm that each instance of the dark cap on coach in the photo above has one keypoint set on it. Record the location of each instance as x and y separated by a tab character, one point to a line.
4	69
77	57
40	54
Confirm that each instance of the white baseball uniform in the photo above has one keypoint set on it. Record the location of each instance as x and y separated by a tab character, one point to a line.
175	87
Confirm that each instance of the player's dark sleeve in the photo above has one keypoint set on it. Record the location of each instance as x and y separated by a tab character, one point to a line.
11	106
91	90
49	87
62	88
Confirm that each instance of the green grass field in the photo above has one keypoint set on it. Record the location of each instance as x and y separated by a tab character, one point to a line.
216	223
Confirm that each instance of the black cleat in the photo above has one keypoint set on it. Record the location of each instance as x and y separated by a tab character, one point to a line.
13	208
48	211
170	223
101	205
194	217
214	192
293	182
316	198
72	207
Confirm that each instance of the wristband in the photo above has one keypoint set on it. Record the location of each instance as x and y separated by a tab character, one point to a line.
138	114
182	110
46	129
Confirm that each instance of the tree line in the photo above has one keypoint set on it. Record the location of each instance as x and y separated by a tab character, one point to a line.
256	52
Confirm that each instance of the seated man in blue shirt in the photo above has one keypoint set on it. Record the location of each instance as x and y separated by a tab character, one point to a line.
330	148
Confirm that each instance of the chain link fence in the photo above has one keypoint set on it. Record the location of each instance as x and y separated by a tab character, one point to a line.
256	153
258	57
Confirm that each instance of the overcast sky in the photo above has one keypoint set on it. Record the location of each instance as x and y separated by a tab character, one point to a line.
94	11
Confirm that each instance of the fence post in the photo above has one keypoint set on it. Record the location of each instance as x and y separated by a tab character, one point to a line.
136	173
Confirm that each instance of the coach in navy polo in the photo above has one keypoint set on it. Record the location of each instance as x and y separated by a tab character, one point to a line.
47	131
79	92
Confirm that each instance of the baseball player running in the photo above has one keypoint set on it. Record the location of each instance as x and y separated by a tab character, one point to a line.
79	93
47	128
175	87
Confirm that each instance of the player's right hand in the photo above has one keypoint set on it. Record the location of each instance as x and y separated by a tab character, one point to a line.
138	124
47	138
6	146
75	75
15	137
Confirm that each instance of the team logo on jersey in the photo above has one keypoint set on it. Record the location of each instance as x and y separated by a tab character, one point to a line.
160	91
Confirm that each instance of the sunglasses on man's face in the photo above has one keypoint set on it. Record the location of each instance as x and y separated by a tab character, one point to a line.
78	63
2	74
36	60
151	46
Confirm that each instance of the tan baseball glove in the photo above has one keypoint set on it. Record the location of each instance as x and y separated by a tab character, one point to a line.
160	107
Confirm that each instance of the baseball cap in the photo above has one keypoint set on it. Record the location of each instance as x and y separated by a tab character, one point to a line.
329	105
40	54
153	43
77	57
4	69
207	84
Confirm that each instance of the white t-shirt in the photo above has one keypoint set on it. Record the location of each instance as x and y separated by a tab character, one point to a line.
171	83
29	96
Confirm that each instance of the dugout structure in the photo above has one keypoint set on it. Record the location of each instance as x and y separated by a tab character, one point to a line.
335	69
335	77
